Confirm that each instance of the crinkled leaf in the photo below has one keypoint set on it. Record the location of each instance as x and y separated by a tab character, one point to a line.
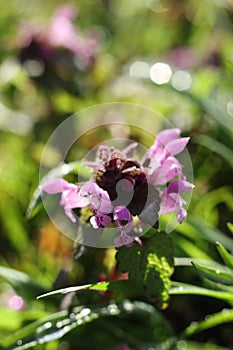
227	258
150	266
215	272
57	325
21	283
117	286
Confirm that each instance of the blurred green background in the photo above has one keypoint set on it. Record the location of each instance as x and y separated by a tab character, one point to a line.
175	57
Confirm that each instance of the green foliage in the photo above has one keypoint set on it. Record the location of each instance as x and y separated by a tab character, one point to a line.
22	283
59	324
225	316
118	286
193	37
150	266
180	288
215	272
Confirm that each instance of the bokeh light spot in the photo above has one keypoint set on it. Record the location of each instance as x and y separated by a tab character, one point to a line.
16	302
181	80
139	69
160	73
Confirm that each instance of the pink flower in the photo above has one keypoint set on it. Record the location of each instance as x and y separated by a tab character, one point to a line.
100	203
171	199
74	197
160	160
97	198
124	222
61	32
70	197
163	167
123	188
59	42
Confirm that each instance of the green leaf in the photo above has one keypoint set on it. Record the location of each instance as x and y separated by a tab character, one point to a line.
117	286
180	288
21	283
191	345
150	266
214	109
35	205
12	320
215	146
225	316
227	258
215	272
230	227
189	248
57	325
210	233
60	171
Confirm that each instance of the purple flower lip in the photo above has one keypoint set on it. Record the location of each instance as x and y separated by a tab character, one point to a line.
123	188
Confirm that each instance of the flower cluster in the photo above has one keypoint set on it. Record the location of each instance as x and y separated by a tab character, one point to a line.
123	188
58	48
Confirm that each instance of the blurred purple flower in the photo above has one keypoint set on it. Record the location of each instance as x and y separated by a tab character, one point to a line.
184	57
55	51
62	33
16	302
123	188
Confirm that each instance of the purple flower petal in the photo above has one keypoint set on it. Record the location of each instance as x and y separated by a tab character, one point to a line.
169	169
169	203
72	199
70	214
100	220
176	146
98	198
57	186
180	186
161	149
105	205
122	213
129	150
171	199
168	135
181	215
105	220
123	219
